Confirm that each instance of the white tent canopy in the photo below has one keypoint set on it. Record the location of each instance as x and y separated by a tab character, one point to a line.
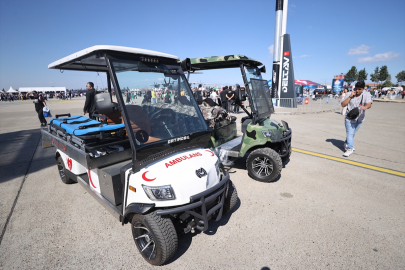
42	89
11	90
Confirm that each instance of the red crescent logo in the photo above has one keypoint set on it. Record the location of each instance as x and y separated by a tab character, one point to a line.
212	153
70	163
147	179
91	182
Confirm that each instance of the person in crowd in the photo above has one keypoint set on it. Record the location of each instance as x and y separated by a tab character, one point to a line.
128	97
214	96
229	96
153	95
358	98
237	100
224	100
167	97
39	103
90	105
403	93
344	93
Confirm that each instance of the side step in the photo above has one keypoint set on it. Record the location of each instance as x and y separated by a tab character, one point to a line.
83	180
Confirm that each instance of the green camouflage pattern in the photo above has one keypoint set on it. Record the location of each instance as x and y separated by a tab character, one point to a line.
254	136
225	61
223	134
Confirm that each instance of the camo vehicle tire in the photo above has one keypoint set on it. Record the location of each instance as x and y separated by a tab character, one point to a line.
231	197
155	237
264	165
62	171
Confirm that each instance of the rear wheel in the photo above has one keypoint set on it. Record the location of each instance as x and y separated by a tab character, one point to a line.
231	197
62	171
264	164
155	237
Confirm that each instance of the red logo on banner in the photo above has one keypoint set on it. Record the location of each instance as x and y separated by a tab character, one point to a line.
306	101
287	53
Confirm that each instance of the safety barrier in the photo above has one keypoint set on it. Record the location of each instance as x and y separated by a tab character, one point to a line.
306	105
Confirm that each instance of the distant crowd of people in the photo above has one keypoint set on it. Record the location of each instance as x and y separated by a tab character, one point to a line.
224	97
11	97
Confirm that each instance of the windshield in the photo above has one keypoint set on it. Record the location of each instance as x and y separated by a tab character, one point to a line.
158	101
260	99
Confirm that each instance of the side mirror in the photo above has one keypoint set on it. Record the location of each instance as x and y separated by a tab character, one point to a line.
186	64
263	69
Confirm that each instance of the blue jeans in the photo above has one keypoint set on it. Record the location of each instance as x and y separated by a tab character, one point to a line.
351	129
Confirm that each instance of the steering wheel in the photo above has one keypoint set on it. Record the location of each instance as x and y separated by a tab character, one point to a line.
159	122
166	113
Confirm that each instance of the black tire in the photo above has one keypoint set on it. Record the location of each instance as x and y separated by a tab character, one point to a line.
62	171
287	157
264	164
231	197
156	236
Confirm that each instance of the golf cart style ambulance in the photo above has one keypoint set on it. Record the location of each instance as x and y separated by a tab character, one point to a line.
147	162
265	143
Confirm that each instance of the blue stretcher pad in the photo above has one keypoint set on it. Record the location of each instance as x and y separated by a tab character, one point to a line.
83	126
97	130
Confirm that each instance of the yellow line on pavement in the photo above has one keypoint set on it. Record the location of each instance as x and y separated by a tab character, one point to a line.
371	167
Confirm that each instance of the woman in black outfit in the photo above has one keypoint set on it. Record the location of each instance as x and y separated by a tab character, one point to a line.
40	103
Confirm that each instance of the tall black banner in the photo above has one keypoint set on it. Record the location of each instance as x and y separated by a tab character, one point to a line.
287	75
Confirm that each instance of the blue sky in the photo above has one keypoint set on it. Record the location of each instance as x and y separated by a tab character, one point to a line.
327	37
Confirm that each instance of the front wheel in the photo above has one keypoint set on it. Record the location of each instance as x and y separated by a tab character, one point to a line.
155	237
264	164
231	197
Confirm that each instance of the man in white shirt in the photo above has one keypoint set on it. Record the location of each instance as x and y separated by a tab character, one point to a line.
361	99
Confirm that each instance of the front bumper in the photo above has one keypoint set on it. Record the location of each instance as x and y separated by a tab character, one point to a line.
201	206
286	141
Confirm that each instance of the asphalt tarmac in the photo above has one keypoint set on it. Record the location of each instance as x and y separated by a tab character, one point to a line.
319	214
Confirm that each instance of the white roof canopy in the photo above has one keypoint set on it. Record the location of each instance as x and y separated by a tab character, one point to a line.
88	60
11	90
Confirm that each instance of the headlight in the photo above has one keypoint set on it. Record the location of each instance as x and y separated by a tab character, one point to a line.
159	193
268	134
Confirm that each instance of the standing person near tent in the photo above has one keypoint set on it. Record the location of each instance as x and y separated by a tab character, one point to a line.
40	103
344	109
224	100
357	102
89	104
229	95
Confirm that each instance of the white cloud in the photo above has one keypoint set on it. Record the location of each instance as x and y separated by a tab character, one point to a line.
302	56
293	5
271	49
362	49
381	57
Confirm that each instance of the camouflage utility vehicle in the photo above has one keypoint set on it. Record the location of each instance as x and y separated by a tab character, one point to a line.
265	142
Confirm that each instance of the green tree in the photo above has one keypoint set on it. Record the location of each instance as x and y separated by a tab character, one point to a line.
351	75
383	74
374	76
400	77
362	75
388	82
